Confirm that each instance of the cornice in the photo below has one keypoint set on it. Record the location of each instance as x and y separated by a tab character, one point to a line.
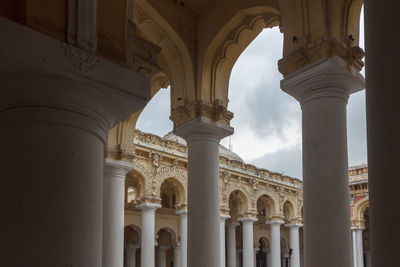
319	49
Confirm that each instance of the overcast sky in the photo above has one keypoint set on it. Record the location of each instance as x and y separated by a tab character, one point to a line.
267	121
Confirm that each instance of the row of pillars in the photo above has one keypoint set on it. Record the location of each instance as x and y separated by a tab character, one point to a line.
54	122
248	249
161	255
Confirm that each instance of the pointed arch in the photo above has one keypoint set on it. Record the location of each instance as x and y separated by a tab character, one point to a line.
359	209
227	45
238	203
136	182
178	61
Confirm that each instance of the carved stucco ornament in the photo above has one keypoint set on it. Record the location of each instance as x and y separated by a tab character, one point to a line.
78	58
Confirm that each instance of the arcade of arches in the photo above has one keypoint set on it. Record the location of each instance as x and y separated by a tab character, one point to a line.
75	76
268	201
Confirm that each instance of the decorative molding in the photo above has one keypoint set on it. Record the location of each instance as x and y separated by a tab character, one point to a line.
78	58
195	109
318	50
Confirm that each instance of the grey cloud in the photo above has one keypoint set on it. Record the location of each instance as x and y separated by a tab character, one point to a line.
155	117
287	161
272	110
356	129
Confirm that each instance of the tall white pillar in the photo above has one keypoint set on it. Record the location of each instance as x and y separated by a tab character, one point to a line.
360	252
382	106
113	211
57	103
248	247
231	246
177	255
202	136
148	235
183	222
354	242
131	255
322	89
294	243
275	226
161	256
222	239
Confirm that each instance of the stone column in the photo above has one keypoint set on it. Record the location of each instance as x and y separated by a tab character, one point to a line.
183	222
231	257
57	103
131	255
248	248
275	242
322	90
161	256
294	243
222	239
177	255
360	252
113	211
148	235
202	136
239	257
382	107
354	242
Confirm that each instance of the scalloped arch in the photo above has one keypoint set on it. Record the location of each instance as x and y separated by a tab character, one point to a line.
227	46
359	208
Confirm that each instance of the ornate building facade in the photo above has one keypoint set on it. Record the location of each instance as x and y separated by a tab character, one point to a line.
266	200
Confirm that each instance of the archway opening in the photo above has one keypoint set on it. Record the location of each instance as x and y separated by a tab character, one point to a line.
134	188
166	240
132	240
172	194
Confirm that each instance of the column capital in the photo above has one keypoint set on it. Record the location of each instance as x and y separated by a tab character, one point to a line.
294	225
163	248
233	224
203	127
356	227
247	219
274	222
146	206
329	77
224	217
133	246
66	79
116	168
182	212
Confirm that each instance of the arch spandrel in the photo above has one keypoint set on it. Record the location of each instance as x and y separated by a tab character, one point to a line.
352	20
325	28
146	171
174	47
